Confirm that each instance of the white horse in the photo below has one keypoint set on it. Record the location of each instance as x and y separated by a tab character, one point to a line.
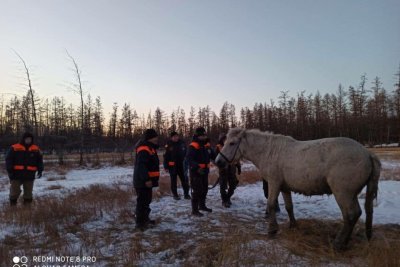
338	166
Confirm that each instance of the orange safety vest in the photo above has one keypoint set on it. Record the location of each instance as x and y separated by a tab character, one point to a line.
151	151
19	147
196	146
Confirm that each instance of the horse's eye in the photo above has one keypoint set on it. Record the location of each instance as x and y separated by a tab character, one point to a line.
231	143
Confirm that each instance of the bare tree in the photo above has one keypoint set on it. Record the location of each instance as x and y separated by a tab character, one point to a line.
32	98
79	90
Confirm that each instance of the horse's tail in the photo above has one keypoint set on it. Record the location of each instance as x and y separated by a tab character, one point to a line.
372	192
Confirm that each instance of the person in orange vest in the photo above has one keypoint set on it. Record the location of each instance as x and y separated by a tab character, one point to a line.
145	177
174	156
198	156
227	176
23	161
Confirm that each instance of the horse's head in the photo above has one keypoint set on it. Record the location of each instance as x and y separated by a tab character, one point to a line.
231	152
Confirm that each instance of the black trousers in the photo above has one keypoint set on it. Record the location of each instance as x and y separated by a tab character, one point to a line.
143	200
229	182
199	190
174	173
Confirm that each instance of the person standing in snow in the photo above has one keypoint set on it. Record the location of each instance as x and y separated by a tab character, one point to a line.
23	161
175	152
146	176
227	176
198	157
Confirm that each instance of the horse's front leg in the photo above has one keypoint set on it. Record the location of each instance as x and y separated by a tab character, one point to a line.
287	197
273	192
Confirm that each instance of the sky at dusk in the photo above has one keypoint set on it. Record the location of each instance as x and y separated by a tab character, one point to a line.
197	53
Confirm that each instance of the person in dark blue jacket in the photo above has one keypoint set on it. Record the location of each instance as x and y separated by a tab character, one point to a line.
23	161
174	156
146	176
198	157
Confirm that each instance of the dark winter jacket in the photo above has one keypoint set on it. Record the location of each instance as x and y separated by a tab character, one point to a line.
199	155
23	161
147	165
175	153
230	169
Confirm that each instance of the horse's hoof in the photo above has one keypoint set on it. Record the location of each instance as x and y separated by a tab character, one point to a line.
293	225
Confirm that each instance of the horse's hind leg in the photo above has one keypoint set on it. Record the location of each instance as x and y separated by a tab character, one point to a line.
287	197
351	211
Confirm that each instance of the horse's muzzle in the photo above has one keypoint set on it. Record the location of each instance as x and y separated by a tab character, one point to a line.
220	162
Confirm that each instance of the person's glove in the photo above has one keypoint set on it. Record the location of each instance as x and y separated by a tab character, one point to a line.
10	175
39	175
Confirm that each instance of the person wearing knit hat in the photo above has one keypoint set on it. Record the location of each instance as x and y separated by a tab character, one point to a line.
174	156
199	157
145	177
23	161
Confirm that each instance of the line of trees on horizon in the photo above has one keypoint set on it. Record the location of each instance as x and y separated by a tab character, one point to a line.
367	113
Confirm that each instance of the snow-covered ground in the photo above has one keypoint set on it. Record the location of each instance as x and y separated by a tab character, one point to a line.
247	199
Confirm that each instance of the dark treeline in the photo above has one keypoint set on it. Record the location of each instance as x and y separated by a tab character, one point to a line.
366	112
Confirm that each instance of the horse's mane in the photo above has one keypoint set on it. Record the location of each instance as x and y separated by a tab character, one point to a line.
239	131
270	143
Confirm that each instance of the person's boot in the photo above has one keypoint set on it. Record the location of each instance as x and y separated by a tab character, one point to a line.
195	208
225	204
13	202
203	206
176	197
187	196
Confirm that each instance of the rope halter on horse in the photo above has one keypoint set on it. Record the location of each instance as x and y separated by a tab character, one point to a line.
234	154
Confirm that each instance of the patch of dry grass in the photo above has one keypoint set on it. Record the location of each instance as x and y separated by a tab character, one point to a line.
312	239
47	224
